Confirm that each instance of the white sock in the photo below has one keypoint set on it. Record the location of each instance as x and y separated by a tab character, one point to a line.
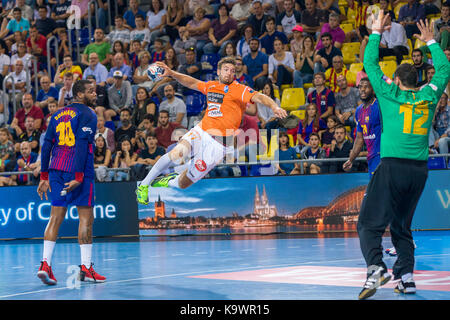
48	251
162	164
86	254
174	182
407	277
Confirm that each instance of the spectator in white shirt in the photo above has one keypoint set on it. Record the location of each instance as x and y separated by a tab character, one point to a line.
281	64
394	41
119	32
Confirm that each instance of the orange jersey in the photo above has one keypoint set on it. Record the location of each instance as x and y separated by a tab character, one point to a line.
225	106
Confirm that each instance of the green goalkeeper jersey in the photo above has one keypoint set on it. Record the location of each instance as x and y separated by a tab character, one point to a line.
407	115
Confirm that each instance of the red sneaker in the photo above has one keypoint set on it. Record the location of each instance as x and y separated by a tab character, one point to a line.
90	274
45	273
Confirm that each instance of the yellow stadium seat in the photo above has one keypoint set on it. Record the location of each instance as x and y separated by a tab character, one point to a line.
354	69
263	141
419	44
410	46
299	114
407	61
388	67
349	51
286	86
276	93
347	27
343	11
292	98
291	140
270	151
389	58
306	86
398	6
351	15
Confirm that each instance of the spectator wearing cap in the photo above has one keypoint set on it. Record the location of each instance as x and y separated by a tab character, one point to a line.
96	69
332	27
258	18
256	65
222	31
296	43
271	35
288	18
312	18
191	67
119	94
119	64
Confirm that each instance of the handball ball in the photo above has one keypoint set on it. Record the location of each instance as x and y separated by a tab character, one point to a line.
154	72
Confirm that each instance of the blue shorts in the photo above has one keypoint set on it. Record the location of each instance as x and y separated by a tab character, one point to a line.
83	195
373	164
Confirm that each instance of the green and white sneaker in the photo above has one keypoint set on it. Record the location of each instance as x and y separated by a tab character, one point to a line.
163	181
142	194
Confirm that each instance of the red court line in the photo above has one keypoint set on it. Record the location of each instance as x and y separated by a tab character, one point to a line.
330	276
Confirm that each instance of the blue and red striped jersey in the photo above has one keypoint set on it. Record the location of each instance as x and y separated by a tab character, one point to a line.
368	122
70	141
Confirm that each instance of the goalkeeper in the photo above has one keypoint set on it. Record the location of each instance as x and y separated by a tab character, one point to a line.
397	184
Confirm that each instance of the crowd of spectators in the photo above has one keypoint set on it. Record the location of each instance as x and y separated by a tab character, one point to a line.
276	43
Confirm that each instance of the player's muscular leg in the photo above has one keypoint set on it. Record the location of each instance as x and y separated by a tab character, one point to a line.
56	218
179	155
184	181
86	218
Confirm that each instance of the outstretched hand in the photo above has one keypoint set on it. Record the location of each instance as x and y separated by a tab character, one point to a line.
167	70
380	23
426	31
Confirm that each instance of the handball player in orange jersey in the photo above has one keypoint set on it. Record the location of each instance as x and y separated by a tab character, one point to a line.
208	142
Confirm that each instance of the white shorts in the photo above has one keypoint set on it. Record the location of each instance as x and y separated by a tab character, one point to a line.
206	153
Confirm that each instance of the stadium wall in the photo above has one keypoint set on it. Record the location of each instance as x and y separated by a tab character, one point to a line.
227	205
24	215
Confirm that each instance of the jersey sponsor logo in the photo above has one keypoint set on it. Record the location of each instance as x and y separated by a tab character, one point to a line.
215	97
68	112
226	89
200	165
214	110
371	137
87	129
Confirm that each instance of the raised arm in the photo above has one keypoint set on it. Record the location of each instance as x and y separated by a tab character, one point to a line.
267	101
371	57
184	79
441	64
